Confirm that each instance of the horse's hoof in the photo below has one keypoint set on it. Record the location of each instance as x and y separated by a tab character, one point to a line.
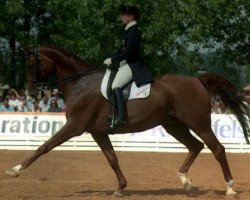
14	171
187	185
117	194
186	182
231	192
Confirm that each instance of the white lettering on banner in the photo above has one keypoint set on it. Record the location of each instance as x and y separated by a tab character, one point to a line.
42	124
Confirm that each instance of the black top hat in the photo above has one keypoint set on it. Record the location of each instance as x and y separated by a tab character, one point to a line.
130	10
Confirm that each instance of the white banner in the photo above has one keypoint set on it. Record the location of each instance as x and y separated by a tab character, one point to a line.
225	127
38	124
30	130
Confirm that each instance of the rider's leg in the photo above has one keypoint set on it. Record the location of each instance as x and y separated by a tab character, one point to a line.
123	76
120	120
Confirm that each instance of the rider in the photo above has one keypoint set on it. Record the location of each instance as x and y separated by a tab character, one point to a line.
129	60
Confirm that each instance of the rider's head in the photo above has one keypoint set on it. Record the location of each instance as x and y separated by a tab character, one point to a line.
129	13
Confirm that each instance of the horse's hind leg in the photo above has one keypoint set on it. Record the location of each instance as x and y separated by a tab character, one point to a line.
105	144
219	153
181	132
67	132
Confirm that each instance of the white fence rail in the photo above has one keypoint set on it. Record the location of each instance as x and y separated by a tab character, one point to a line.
28	131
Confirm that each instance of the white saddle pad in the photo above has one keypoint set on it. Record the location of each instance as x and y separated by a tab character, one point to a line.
135	93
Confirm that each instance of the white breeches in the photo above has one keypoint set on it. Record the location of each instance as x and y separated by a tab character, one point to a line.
123	76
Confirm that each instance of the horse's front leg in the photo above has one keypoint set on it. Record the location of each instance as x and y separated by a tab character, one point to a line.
105	144
68	131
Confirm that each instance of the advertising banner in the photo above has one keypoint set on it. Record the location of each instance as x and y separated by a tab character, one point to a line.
29	130
225	127
38	124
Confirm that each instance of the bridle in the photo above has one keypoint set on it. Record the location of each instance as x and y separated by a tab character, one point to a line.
40	82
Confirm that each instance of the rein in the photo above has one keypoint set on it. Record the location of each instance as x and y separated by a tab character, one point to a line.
71	78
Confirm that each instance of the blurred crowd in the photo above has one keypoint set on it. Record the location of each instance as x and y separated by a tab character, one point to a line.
12	100
17	100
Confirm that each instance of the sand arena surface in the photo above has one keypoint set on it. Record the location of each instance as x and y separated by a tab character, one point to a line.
77	175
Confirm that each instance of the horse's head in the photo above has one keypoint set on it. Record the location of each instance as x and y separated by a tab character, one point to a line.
38	68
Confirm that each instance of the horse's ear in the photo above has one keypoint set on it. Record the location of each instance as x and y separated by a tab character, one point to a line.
27	49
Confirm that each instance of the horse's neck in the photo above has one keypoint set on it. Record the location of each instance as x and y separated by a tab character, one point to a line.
65	64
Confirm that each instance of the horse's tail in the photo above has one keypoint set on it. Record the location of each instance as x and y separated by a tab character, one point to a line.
231	97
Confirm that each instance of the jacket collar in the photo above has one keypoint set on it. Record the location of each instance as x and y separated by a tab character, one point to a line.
130	24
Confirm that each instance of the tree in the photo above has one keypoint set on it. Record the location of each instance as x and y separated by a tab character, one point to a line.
220	27
181	37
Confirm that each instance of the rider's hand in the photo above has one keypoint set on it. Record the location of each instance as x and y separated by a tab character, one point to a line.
107	62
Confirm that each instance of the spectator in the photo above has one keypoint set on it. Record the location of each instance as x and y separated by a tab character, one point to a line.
56	95
35	106
247	97
14	99
24	106
3	89
6	107
54	106
21	92
1	100
44	103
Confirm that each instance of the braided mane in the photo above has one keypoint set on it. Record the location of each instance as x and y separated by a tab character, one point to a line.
65	52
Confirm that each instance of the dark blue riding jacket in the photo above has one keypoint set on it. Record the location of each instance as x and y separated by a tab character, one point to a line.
130	51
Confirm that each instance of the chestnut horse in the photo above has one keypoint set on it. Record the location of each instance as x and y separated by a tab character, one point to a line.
177	103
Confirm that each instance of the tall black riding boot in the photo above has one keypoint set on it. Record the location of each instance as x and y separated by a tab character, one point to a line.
120	107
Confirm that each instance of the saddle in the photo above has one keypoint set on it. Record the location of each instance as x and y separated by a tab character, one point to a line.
130	91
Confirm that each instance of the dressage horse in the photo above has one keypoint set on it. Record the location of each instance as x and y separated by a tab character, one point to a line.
177	103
